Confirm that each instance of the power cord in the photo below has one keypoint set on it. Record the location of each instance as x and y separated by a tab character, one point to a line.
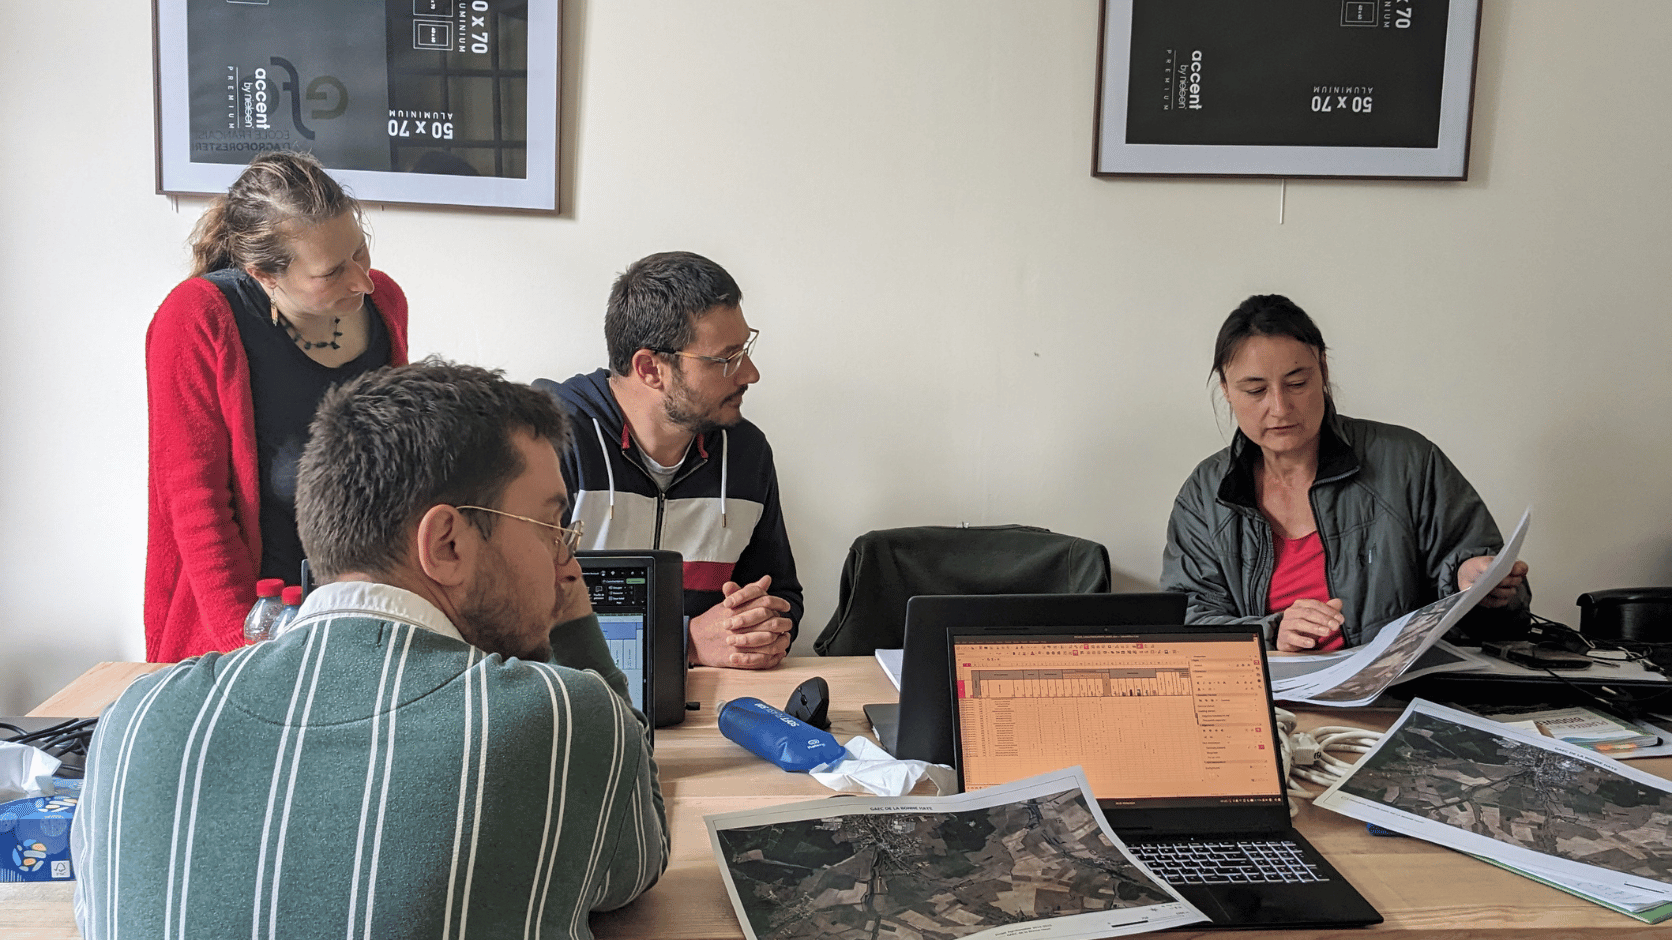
1612	653
1306	754
1545	631
67	741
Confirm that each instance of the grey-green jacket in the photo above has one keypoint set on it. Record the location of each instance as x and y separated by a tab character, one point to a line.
369	774
1395	516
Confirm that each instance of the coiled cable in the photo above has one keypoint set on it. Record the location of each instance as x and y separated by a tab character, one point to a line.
1306	754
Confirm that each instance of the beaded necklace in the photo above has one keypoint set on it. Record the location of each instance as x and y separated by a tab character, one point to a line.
280	319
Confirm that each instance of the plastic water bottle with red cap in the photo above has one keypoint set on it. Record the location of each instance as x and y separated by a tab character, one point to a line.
258	625
292	597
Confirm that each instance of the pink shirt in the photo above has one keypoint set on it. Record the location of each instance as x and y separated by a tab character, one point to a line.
1299	575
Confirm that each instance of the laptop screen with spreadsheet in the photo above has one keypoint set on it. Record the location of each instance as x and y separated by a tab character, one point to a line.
1156	720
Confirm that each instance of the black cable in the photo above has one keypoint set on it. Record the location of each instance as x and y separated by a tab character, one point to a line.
72	727
1622	706
1629	707
1564	636
65	741
1655	656
63	744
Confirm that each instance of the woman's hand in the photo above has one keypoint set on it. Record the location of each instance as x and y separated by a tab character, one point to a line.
1307	624
1470	571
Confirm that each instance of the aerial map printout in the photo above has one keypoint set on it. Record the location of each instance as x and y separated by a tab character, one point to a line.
1033	858
1515	797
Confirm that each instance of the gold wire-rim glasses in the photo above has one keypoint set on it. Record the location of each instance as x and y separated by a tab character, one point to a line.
567	538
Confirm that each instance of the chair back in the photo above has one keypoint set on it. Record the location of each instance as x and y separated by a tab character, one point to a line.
887	567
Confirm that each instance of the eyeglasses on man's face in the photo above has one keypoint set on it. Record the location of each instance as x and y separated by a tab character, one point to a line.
567	540
728	364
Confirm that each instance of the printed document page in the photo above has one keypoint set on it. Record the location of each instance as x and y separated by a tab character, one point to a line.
1034	858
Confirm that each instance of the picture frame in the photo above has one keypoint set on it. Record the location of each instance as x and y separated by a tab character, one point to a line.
422	102
1361	89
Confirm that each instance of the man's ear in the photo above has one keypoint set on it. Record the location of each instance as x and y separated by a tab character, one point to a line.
647	368
447	546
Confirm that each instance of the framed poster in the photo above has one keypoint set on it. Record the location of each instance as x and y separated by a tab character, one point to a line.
1354	88
443	102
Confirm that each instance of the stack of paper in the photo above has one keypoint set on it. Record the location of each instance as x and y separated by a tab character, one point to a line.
893	662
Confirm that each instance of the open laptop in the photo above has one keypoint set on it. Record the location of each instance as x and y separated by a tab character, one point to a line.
920	726
639	599
1175	732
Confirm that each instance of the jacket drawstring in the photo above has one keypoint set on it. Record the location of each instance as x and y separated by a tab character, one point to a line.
725	465
609	469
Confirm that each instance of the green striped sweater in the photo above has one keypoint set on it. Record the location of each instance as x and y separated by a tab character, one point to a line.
369	774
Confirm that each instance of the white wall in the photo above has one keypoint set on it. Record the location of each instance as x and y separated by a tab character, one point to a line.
960	324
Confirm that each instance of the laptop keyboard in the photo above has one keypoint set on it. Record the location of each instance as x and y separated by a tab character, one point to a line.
1218	863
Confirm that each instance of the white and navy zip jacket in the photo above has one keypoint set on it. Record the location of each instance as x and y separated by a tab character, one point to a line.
721	512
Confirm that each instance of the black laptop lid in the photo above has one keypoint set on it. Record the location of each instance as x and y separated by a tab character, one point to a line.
1173	727
925	730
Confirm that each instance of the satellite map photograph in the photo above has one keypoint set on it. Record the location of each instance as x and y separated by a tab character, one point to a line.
1375	677
934	876
1520	794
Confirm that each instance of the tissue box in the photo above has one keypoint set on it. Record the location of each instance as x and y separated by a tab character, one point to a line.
35	835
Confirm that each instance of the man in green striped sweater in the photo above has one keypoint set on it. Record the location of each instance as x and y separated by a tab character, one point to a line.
424	755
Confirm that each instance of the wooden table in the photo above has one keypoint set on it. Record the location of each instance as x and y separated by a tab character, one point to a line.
1422	890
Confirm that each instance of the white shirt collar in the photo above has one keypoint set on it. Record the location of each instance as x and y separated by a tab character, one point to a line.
371	599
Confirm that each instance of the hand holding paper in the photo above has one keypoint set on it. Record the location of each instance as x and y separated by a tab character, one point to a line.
1470	571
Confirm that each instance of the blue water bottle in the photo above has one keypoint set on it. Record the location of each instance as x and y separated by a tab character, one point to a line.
782	739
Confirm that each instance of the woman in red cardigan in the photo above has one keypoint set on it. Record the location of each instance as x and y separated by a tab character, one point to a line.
282	304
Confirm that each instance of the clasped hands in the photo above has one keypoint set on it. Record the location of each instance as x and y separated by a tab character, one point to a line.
744	631
1307	624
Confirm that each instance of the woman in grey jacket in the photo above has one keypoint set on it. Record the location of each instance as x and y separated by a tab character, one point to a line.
1318	526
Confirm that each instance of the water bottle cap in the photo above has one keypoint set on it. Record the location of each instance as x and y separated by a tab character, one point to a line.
269	587
293	595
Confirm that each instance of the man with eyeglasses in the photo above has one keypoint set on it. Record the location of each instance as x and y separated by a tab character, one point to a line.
663	458
424	752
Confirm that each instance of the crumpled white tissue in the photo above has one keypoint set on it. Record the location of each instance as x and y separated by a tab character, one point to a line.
869	767
25	772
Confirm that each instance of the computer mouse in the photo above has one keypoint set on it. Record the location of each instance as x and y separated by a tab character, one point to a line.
810	702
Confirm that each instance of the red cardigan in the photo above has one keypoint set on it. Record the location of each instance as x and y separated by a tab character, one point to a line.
203	548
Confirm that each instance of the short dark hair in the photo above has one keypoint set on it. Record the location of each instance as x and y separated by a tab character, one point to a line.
387	446
1266	315
656	302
